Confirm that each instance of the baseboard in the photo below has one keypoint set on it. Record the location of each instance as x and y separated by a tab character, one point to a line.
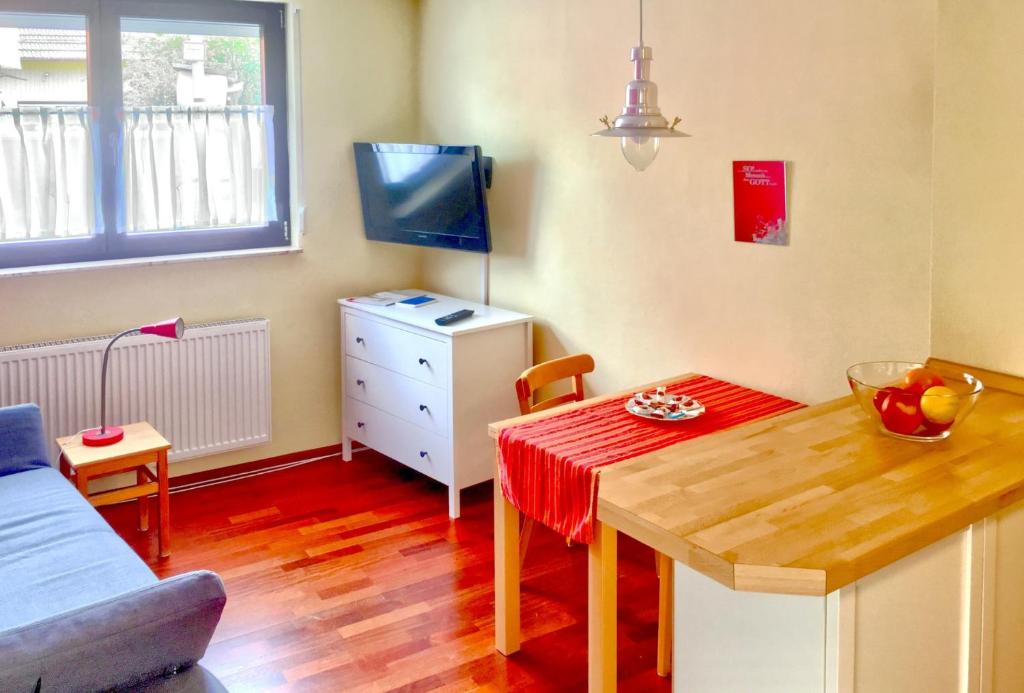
254	466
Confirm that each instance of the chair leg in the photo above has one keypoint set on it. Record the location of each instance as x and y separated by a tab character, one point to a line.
524	538
665	589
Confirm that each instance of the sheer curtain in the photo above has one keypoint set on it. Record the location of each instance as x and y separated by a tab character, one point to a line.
198	168
46	173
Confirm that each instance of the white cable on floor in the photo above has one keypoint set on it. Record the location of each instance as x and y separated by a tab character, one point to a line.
257	472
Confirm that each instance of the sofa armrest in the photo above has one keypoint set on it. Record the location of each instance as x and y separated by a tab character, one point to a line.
22	444
116	643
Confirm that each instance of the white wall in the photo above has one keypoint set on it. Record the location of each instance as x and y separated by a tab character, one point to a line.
640	269
343	100
979	139
978	288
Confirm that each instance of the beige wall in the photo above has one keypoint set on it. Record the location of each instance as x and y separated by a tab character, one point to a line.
978	290
641	269
343	101
979	140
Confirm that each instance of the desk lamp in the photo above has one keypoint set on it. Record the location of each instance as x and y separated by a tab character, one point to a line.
108	435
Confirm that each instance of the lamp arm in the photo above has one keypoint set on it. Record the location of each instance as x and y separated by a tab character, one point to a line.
103	377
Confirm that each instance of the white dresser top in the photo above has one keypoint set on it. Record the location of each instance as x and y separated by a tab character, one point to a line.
485	317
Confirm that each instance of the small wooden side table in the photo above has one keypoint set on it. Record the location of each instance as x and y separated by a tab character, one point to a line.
142	446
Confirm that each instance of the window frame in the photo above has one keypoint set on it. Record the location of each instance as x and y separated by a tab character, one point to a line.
105	88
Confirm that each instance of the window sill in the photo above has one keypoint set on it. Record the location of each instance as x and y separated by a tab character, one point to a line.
146	261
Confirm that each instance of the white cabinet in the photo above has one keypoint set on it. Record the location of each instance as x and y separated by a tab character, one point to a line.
948	618
422	394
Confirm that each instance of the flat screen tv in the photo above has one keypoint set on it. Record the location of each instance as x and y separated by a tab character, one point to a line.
425	194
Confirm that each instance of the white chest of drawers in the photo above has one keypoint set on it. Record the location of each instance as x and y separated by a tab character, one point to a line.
423	394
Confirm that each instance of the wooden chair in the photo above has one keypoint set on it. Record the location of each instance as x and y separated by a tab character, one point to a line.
531	380
575	367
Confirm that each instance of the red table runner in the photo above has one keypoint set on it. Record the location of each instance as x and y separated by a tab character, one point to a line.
550	467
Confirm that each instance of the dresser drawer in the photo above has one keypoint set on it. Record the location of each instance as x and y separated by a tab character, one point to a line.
397	350
426	452
412	400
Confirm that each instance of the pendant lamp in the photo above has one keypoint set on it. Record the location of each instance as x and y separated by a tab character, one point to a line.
640	127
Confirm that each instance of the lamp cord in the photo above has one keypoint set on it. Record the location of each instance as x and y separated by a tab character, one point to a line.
641	23
56	460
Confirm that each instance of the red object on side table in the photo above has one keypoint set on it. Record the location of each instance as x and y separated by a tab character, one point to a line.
108	435
97	437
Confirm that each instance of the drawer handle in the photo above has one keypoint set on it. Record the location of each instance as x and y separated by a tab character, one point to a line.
424	453
424	407
424	362
361	383
360	340
360	424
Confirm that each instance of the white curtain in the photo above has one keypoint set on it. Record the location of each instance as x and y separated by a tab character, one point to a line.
197	168
46	174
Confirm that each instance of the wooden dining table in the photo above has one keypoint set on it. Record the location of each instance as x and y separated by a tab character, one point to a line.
602	561
698	501
806	504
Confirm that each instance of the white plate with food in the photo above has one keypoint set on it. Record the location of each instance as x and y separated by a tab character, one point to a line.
658	405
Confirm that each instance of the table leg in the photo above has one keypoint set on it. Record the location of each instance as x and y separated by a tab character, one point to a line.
506	571
165	504
602	606
82	482
65	468
143	501
665	586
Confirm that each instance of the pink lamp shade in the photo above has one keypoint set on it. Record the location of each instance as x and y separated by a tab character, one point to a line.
173	328
108	435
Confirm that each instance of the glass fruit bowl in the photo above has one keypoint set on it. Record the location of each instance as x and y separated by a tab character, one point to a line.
910	401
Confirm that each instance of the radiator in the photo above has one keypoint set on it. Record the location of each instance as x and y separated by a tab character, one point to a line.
206	393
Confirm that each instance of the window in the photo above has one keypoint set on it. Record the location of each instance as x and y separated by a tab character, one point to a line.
140	128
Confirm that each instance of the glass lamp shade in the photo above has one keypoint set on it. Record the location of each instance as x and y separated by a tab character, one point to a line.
640	151
640	145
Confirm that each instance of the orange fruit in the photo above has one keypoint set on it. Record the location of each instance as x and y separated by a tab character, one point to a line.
939	404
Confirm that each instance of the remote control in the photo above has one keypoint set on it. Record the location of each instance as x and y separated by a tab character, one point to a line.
446	320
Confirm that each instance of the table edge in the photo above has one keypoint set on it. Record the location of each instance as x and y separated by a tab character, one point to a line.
64	440
791	579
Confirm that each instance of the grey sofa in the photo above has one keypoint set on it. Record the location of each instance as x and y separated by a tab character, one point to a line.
79	610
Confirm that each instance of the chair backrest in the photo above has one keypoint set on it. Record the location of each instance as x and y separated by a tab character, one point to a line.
549	372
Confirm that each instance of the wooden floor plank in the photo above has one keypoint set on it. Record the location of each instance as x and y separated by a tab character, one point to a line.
350	576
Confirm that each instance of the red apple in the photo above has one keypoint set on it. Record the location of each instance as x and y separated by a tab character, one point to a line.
881	395
920	379
930	428
901	412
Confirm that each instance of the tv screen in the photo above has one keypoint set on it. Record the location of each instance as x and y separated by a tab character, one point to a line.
421	194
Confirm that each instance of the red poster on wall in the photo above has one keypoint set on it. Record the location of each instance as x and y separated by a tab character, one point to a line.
759	199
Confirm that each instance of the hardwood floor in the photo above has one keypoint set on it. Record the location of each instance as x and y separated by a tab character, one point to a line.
352	577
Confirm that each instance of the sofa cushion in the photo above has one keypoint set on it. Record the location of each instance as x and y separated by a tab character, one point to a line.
56	552
118	643
22	444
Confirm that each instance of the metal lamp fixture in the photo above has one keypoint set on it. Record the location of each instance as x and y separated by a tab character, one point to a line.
641	127
108	435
